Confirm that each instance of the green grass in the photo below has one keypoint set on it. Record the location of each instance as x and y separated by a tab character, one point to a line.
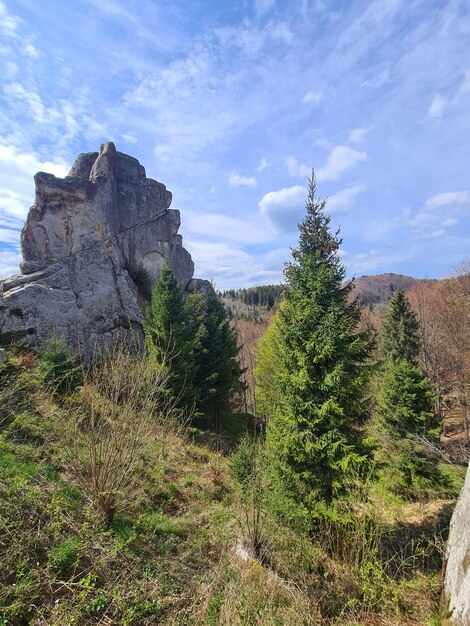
168	556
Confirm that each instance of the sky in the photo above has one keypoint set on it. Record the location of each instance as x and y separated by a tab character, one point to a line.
231	105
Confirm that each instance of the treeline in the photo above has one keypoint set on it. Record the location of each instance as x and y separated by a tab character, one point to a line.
267	296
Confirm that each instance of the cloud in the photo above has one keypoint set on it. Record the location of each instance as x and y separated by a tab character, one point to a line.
358	134
17	185
341	201
437	106
433	220
312	97
297	169
284	208
235	180
340	159
377	260
449	197
9	263
263	165
264	6
225	227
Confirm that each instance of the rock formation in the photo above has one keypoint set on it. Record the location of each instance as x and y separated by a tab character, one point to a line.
90	240
457	578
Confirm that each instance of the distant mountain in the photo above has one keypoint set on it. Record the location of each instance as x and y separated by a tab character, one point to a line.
373	291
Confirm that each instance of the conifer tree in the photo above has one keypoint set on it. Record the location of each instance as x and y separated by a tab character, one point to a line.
406	425
323	370
169	336
218	373
399	335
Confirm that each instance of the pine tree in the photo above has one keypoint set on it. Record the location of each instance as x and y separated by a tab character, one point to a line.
218	373
406	425
316	447
399	336
169	336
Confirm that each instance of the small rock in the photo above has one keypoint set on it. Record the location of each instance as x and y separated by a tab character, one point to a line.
3	356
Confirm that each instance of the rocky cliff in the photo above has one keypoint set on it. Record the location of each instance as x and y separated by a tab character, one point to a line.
457	578
89	241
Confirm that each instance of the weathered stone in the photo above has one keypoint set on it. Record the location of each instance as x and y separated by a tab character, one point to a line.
84	240
3	356
457	577
198	285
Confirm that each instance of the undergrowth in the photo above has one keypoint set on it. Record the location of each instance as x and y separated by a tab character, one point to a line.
183	545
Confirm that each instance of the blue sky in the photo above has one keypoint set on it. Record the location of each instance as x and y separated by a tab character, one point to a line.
231	104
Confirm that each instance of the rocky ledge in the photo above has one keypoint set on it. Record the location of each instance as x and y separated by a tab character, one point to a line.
90	242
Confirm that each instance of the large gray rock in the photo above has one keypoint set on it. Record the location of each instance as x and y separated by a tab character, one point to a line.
457	577
86	239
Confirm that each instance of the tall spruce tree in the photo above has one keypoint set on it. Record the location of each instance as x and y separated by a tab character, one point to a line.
399	334
406	425
312	433
218	373
169	336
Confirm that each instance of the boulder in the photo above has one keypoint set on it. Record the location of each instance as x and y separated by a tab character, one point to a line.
457	576
86	239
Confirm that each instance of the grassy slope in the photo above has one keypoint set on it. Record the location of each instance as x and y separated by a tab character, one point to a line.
169	556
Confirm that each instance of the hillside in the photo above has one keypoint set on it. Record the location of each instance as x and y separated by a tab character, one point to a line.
376	290
175	549
371	291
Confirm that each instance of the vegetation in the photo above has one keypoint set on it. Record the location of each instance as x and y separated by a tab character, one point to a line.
177	549
169	337
117	509
407	426
321	382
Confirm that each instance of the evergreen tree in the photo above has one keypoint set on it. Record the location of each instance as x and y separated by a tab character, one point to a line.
169	336
406	425
323	370
218	374
399	336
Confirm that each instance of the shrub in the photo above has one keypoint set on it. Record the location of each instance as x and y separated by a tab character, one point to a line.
57	368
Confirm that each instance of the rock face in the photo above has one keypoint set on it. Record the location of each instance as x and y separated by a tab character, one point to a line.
457	577
89	242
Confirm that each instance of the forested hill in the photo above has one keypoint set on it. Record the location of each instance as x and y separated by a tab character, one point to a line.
371	291
377	290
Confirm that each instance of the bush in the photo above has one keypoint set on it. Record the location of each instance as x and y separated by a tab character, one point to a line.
58	369
248	468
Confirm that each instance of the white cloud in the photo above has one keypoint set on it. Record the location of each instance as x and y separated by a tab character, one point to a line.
358	134
297	169
449	197
16	180
439	213
130	138
312	97
284	208
263	165
342	200
235	180
340	159
437	106
264	6
9	263
376	260
8	236
225	227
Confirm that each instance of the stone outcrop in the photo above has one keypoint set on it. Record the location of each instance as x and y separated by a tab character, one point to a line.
457	577
89	241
